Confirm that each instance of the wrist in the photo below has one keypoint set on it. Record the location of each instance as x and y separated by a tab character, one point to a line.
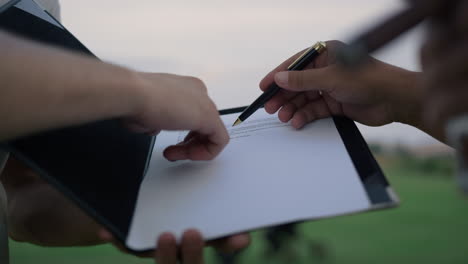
408	102
406	98
136	94
147	96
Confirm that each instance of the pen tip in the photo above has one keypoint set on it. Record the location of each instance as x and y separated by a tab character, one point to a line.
238	121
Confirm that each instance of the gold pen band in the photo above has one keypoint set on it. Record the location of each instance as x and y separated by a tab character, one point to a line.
319	47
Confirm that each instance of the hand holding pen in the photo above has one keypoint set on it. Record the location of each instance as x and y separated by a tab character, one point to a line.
299	63
375	95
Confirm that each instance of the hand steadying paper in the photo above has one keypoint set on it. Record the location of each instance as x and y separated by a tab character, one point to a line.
239	190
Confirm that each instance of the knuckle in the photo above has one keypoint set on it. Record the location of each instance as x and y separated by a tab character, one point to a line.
334	45
297	80
306	114
209	107
207	111
199	84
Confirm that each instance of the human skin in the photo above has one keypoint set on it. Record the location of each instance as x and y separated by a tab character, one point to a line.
374	95
444	57
45	88
74	90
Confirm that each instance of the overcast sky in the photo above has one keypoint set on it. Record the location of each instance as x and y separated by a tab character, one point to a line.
231	45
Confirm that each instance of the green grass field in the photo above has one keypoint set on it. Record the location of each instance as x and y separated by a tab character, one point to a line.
430	226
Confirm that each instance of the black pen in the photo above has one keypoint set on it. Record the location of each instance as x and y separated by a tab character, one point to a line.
299	64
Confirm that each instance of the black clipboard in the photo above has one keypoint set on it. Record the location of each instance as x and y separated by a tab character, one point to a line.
100	166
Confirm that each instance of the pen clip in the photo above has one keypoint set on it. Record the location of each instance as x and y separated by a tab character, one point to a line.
319	47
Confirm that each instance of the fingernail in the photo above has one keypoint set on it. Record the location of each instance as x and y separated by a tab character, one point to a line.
281	78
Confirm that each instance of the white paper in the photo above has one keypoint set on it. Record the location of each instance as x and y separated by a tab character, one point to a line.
270	173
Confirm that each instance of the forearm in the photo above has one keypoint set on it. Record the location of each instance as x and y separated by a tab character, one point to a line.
404	95
45	88
407	99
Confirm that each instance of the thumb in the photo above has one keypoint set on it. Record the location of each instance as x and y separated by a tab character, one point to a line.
322	79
